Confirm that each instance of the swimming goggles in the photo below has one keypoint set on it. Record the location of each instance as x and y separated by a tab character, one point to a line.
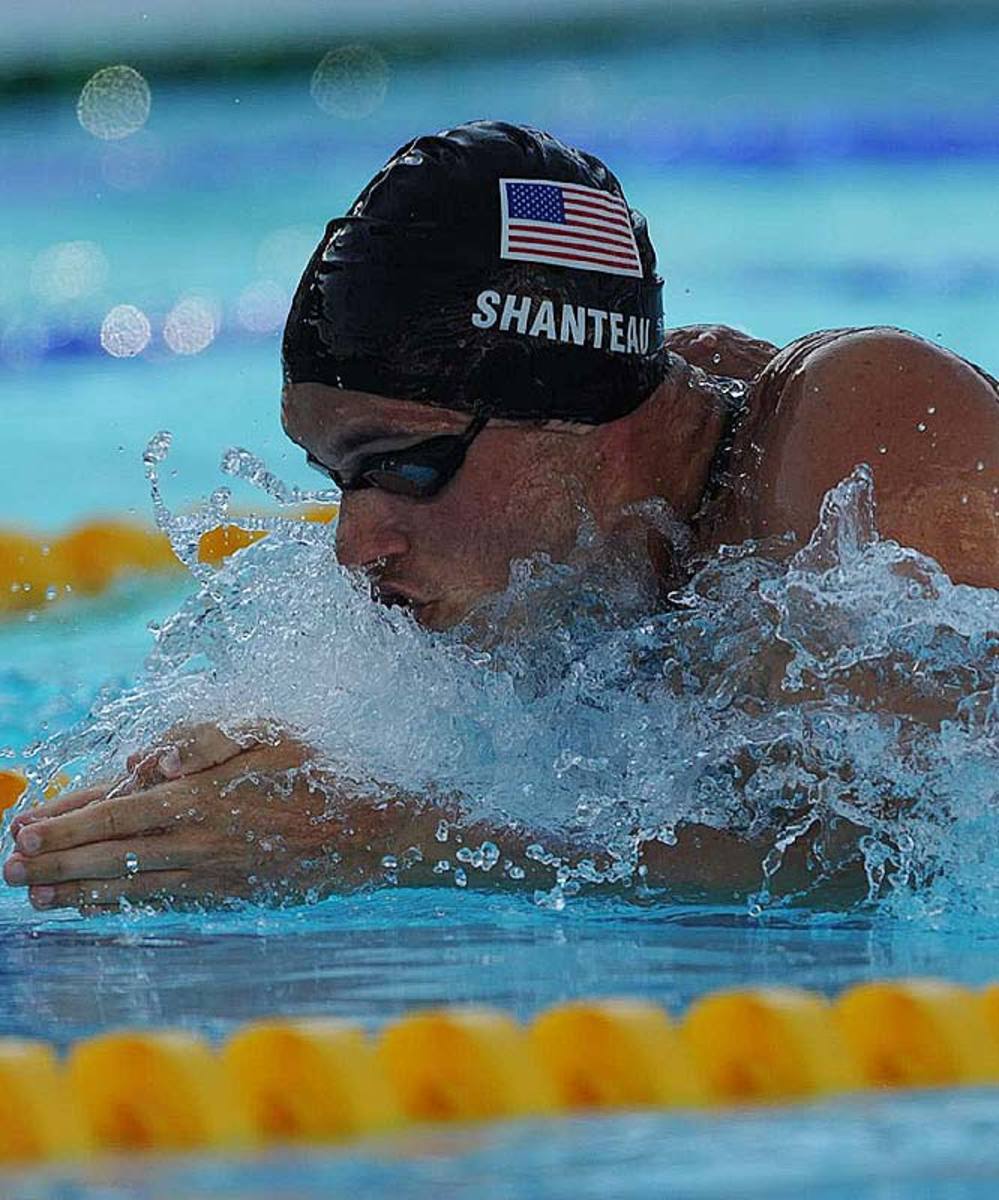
418	471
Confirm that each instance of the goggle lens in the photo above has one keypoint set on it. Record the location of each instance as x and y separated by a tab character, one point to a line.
418	471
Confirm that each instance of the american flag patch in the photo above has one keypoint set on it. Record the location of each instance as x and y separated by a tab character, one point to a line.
567	225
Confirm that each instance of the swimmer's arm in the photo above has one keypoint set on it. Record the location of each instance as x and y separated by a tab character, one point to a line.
924	420
225	833
211	819
258	819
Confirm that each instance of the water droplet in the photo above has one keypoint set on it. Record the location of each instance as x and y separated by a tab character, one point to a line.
489	852
442	831
932	409
390	862
460	878
131	863
882	449
921	427
979	466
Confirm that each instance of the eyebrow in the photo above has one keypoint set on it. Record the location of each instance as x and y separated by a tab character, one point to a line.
355	438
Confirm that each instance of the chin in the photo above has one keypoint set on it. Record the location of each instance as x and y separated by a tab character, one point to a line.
434	615
441	615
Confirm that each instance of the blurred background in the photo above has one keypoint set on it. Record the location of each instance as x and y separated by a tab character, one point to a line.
168	166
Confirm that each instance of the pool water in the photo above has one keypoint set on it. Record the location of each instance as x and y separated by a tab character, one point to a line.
790	183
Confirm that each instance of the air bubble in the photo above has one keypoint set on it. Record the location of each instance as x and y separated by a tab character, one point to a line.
114	103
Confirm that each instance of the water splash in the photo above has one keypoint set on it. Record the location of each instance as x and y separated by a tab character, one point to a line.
777	697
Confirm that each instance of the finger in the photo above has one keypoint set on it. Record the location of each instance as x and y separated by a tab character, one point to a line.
101	860
101	821
62	804
91	893
186	750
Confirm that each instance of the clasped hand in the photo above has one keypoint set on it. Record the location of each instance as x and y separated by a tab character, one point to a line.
199	818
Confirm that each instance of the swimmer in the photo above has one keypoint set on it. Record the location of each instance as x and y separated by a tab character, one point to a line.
476	350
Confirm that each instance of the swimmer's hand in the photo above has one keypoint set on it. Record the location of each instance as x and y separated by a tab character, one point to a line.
203	818
721	350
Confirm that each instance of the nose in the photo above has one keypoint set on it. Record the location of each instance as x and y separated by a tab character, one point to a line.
368	530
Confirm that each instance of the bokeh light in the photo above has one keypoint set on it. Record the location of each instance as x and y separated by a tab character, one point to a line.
23	343
191	325
262	306
125	331
283	253
67	271
350	82
129	166
114	103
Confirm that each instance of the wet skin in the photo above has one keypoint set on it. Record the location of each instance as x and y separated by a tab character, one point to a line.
520	491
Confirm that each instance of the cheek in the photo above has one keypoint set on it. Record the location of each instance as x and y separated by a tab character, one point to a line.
501	512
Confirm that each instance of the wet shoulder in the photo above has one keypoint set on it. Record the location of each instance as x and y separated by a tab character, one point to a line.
923	419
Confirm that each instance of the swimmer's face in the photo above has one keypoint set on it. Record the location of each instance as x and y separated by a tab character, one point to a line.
517	494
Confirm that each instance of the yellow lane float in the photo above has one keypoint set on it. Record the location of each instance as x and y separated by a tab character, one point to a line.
309	1081
615	1054
37	1119
918	1033
772	1044
155	1091
324	1081
36	570
12	788
463	1064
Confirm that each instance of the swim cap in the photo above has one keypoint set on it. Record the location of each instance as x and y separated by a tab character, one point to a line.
488	268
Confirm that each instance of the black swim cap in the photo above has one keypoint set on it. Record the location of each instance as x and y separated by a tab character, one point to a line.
490	268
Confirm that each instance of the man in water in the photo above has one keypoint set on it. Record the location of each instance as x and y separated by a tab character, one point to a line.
476	353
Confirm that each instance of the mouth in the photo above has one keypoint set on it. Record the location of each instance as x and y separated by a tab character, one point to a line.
393	596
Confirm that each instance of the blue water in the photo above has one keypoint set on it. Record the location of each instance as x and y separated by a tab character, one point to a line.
790	184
